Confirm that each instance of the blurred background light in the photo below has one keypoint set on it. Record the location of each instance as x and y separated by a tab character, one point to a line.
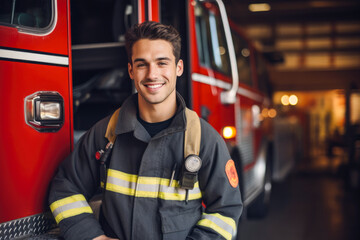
285	100
293	99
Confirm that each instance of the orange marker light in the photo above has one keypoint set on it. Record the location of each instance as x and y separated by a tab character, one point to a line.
229	132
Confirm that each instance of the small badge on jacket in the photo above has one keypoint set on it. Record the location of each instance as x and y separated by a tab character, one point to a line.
231	173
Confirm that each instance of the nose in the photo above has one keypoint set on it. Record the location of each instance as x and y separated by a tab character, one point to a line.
153	72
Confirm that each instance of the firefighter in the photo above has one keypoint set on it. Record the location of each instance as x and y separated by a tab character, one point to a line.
150	190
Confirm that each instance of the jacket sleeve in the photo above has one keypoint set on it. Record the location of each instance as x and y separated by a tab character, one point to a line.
76	181
220	191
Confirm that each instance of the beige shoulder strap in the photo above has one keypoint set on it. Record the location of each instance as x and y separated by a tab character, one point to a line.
192	133
110	131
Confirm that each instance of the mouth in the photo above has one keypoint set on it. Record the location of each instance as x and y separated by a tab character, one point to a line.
154	86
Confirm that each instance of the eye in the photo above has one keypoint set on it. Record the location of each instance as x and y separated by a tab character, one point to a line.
162	63
139	65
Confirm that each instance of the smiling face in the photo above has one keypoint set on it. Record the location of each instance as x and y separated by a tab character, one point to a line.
154	72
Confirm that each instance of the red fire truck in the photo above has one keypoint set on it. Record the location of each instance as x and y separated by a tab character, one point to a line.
63	67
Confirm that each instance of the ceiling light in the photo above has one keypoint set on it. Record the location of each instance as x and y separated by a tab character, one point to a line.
259	7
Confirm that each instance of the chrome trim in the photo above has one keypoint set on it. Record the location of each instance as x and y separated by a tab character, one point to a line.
229	97
224	85
42	31
98	45
210	81
30	103
34	57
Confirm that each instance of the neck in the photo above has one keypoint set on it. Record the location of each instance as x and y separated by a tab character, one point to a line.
153	113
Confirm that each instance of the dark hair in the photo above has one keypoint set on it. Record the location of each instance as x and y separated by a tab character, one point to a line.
153	31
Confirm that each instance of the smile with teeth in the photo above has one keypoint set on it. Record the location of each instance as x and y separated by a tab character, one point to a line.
154	86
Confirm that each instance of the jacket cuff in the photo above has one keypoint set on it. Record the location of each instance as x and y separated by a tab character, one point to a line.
86	228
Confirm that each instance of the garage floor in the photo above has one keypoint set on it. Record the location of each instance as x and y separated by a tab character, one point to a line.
312	203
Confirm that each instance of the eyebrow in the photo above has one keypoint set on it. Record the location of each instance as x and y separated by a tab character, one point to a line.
163	58
158	59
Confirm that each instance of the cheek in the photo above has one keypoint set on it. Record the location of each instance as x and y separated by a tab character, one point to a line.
170	74
139	75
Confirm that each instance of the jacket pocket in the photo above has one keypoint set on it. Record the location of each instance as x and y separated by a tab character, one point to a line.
177	227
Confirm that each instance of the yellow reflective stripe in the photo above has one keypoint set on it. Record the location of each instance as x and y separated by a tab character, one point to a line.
64	201
194	196
120	189
146	194
227	220
69	207
208	223
223	225
148	187
72	212
152	180
122	175
179	196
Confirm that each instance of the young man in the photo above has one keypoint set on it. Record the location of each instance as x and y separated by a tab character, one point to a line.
143	197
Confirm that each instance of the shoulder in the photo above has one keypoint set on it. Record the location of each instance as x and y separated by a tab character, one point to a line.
211	139
96	134
213	148
99	128
208	133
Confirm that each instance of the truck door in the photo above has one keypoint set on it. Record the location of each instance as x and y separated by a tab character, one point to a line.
35	87
214	72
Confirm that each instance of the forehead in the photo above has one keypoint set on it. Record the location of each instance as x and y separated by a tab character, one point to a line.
152	49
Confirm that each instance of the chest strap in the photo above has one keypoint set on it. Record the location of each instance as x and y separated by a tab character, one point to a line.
110	131
192	138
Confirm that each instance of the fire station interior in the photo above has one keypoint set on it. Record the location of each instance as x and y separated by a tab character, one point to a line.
312	50
312	53
310	73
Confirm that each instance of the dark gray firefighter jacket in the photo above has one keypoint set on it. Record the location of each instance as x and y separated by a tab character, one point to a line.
138	202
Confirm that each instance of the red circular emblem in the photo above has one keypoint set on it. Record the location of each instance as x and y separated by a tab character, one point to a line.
231	173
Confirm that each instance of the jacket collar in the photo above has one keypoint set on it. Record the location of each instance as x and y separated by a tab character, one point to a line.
128	122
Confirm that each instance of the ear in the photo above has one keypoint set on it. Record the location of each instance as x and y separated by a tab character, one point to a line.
130	70
179	68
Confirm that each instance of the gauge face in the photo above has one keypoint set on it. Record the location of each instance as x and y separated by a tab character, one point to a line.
192	163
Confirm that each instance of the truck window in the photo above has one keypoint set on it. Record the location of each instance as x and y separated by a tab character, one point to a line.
96	21
242	52
211	42
99	60
33	14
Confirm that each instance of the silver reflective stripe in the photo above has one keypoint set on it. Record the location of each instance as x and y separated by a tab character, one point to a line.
148	187
121	182
220	223
225	226
69	206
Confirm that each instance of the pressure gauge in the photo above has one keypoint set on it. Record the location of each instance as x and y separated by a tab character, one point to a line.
193	163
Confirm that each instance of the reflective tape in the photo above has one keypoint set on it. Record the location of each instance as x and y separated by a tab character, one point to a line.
223	225
148	187
69	207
